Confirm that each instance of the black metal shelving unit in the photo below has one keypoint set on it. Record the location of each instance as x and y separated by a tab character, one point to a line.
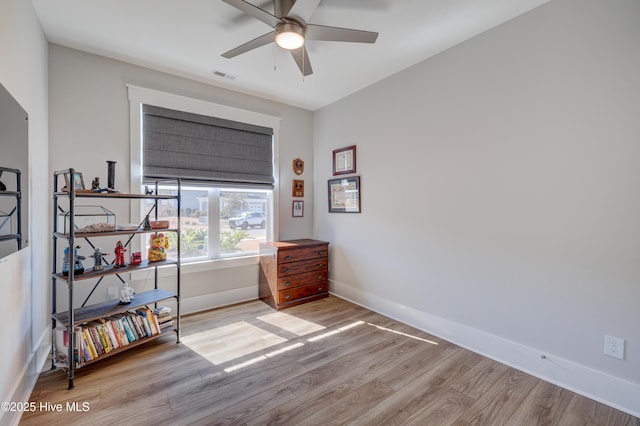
85	313
16	210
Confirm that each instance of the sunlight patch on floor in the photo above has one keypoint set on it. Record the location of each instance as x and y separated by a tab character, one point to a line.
334	332
241	339
290	323
403	334
233	341
263	357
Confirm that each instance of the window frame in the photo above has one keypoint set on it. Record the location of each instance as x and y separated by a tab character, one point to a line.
139	95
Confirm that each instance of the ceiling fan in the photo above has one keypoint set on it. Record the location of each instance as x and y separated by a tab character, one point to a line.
291	30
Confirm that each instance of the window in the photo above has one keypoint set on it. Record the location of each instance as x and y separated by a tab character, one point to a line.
225	211
217	223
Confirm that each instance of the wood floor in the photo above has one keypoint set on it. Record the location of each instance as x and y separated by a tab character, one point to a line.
328	362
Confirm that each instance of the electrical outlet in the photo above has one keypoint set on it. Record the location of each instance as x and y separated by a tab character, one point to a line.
614	346
112	292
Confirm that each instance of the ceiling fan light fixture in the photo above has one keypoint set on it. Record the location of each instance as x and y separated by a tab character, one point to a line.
290	35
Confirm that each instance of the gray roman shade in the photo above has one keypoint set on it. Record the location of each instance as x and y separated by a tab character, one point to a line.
205	149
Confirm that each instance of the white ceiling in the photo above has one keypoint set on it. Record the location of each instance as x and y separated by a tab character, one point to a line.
187	37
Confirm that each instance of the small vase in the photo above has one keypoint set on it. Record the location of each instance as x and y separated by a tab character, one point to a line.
111	174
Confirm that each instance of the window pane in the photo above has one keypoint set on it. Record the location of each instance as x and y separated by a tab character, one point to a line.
243	221
194	222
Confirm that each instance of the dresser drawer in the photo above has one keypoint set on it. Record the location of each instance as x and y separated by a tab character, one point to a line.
286	256
301	292
303	266
315	277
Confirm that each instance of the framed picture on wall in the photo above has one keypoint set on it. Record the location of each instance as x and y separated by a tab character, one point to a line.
297	209
344	160
298	188
344	195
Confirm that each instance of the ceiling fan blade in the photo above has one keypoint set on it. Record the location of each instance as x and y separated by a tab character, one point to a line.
324	33
254	11
255	43
303	9
301	56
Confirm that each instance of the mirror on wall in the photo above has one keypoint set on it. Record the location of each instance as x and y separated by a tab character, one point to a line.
14	162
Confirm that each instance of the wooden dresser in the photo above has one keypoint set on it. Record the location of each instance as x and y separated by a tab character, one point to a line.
293	272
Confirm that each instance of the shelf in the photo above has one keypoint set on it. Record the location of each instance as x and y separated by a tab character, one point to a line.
112	307
117	195
112	233
129	346
112	270
9	237
9	193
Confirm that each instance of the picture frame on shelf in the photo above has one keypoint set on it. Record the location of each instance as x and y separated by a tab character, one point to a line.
297	208
297	189
78	181
344	160
344	195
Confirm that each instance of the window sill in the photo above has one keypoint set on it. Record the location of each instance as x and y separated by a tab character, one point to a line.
213	264
201	266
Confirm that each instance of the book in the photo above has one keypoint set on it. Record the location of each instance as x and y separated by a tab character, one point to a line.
156	323
121	332
131	334
108	330
104	340
166	325
95	339
133	320
149	319
162	311
81	347
145	323
89	342
164	319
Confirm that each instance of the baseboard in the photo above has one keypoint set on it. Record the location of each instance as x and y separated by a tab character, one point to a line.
204	302
612	391
28	376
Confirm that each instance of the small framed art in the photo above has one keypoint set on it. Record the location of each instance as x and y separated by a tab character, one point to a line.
344	160
297	209
298	166
78	181
344	195
298	188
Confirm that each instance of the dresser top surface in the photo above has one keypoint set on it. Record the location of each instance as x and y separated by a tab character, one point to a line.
295	244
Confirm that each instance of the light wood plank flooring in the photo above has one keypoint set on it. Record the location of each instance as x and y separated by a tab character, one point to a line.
327	362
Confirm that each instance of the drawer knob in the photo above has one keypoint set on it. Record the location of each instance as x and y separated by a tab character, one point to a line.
320	264
319	288
287	270
321	252
319	277
288	257
288	296
288	283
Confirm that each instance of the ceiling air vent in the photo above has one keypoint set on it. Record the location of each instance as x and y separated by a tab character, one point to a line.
223	74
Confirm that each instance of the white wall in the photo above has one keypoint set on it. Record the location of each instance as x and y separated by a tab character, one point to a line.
89	124
24	303
500	197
